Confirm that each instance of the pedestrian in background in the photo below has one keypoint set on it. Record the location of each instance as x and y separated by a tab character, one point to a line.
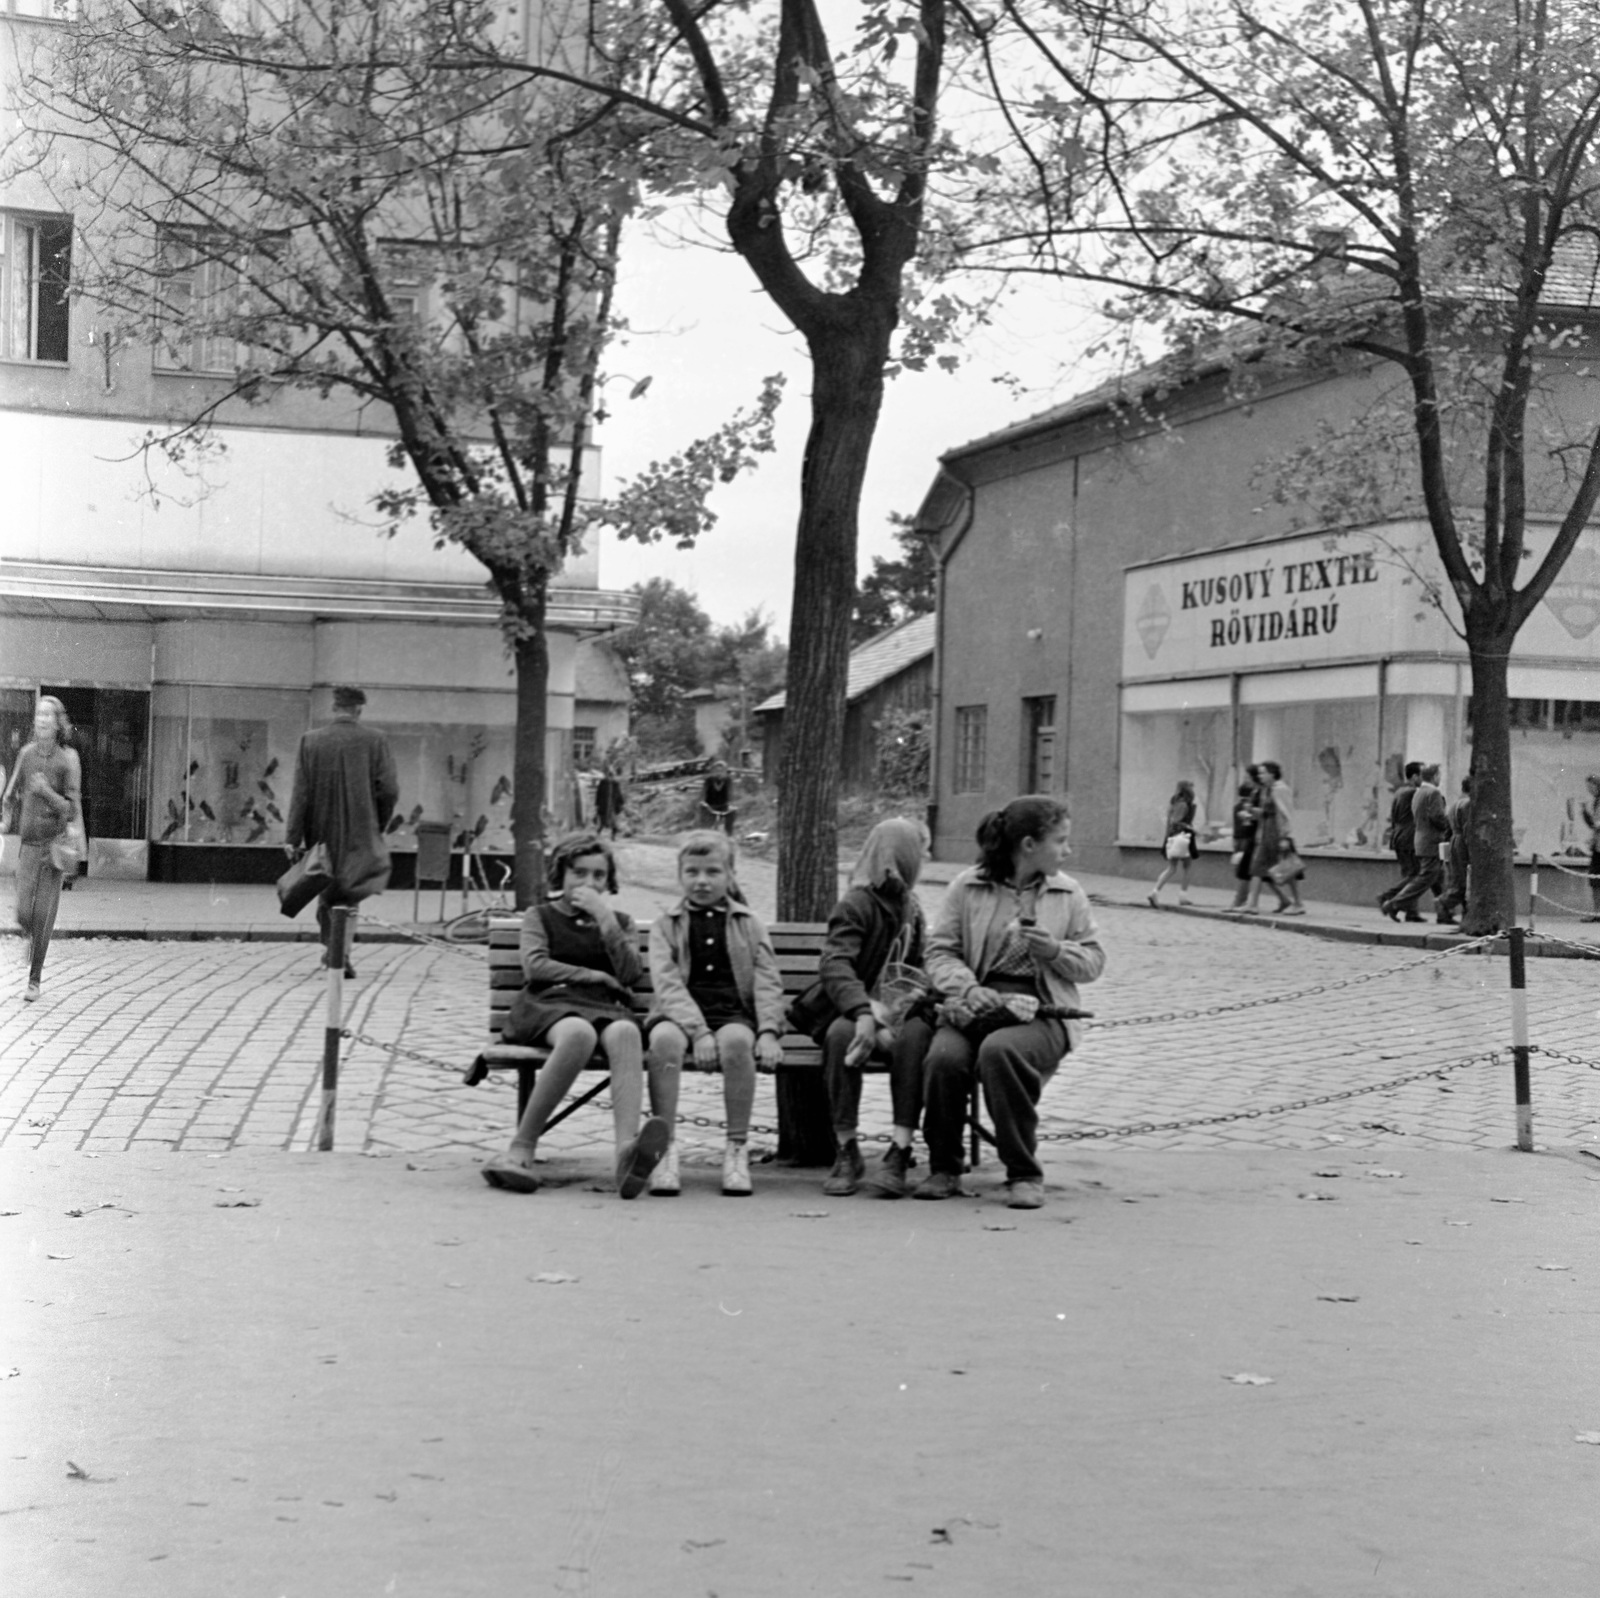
1591	819
1430	826
1460	849
1246	817
610	800
716	798
1402	835
47	785
1273	807
345	791
1180	845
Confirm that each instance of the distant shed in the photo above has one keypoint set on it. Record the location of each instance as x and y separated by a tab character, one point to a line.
893	671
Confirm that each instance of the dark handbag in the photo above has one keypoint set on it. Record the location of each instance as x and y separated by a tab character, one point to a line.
307	878
812	1010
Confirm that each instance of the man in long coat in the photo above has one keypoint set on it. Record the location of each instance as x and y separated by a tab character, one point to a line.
345	791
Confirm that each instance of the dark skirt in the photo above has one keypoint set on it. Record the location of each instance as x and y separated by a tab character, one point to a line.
533	1014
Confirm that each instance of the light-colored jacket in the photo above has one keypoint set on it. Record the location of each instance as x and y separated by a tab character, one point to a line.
755	970
971	926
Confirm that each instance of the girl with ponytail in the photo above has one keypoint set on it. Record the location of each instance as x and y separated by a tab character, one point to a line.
1014	935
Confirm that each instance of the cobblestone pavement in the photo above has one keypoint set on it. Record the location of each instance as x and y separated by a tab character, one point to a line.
215	1045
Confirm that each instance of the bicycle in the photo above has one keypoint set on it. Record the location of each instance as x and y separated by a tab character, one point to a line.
472	926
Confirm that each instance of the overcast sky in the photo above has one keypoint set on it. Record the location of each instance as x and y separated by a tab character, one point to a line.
702	329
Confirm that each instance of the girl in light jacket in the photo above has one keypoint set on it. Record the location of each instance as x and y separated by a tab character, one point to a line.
1012	927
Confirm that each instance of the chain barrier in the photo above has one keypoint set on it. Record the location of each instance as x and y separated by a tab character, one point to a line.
1203	1012
1589	950
1568	871
1137	1128
1561	1054
1567	909
1132	1129
395	1048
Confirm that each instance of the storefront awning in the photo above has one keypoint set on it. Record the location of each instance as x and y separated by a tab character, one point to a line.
38	588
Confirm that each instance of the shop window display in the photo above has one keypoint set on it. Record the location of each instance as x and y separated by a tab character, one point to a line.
453	773
1555	748
1159	748
223	763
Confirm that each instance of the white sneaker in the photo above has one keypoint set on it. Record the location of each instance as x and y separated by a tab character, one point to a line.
664	1181
736	1171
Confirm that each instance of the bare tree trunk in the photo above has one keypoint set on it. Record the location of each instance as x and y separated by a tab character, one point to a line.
1491	899
847	395
532	656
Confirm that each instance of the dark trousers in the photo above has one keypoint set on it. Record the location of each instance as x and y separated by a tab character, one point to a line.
38	899
1013	1064
843	1081
1427	878
1406	858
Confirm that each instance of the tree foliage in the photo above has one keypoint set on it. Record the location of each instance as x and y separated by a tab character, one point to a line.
897	587
1396	184
675	649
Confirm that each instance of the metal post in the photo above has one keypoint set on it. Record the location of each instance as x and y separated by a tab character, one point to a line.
1533	895
338	943
1519	1042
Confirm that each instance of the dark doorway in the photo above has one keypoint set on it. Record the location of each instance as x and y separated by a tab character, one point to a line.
111	733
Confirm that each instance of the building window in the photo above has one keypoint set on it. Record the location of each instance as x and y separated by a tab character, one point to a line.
35	272
583	740
1039	744
972	736
42	10
199	298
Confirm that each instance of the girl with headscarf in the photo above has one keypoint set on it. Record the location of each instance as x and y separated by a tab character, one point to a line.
48	782
876	925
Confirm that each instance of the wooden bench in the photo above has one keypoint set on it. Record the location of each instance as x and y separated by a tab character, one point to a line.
798	947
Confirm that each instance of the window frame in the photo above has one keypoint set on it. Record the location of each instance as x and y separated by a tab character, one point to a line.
199	355
26	259
970	744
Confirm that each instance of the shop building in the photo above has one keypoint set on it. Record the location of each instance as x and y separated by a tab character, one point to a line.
194	617
1122	605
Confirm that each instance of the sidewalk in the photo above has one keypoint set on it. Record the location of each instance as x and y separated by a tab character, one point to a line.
1237	1375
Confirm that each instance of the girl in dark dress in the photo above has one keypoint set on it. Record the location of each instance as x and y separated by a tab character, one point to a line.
581	966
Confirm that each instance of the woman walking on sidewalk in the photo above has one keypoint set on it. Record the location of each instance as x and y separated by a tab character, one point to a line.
1272	834
48	783
1180	844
